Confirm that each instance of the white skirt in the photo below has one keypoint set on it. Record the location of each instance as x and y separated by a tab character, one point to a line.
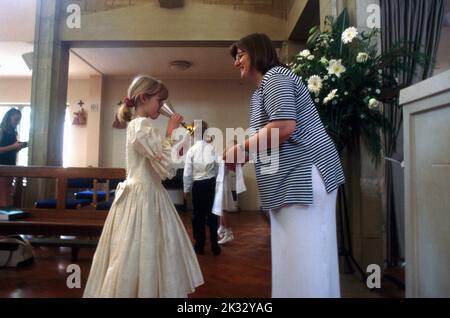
304	247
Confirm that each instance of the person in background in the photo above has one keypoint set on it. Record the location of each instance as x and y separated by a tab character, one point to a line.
200	173
9	147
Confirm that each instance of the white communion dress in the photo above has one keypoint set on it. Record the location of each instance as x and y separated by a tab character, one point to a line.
144	250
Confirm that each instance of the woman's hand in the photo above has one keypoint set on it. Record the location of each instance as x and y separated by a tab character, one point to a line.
230	157
17	146
174	122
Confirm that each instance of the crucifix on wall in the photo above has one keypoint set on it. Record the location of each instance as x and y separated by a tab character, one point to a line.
80	118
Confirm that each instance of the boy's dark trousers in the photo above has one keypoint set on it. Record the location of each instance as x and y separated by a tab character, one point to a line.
203	193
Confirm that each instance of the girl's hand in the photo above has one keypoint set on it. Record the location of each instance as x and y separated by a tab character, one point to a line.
174	122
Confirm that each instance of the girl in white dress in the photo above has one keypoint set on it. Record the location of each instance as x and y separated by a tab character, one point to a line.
144	250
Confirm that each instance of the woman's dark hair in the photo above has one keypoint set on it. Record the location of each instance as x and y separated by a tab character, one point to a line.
6	122
261	50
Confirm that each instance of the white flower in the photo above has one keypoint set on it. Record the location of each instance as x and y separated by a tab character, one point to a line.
317	100
326	77
330	96
311	57
315	84
373	103
305	53
336	68
349	34
324	60
378	91
362	58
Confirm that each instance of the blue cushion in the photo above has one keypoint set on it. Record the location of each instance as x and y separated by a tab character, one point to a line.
51	204
89	195
103	206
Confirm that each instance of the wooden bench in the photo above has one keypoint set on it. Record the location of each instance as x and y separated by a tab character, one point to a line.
83	222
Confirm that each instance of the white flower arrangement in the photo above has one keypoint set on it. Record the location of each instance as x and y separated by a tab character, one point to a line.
332	95
315	84
336	68
343	68
305	53
373	103
349	35
362	57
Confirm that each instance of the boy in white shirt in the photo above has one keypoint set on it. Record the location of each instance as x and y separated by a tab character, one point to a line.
200	173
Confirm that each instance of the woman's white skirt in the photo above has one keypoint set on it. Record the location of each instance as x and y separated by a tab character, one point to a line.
304	247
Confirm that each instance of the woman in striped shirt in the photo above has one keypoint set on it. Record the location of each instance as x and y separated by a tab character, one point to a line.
300	192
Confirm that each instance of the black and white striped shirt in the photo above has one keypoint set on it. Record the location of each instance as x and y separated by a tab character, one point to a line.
283	96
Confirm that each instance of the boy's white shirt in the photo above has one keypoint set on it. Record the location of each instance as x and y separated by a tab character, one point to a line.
201	164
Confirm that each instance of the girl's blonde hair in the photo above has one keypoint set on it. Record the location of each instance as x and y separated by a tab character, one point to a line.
141	85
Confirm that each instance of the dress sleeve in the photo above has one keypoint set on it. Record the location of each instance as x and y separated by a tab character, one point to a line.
158	150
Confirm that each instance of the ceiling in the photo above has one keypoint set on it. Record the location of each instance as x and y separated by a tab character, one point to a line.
207	62
12	65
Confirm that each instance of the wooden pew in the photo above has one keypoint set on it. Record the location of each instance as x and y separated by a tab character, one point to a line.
59	222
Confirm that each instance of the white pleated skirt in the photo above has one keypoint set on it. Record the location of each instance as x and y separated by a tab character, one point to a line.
304	247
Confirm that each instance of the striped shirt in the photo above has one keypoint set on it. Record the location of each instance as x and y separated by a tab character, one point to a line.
283	96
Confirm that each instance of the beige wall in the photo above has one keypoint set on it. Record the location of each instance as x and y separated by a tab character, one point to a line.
222	103
15	90
146	21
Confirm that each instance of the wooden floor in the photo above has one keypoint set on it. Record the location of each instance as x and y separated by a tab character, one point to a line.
242	270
